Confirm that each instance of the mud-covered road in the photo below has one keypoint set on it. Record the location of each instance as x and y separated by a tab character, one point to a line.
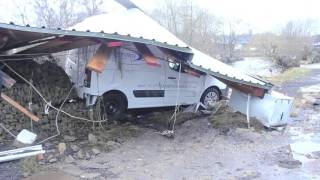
202	151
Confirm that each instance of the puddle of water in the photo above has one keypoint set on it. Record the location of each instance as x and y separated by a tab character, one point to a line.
311	66
311	89
304	144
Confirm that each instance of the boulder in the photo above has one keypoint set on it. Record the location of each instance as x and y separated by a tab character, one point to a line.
62	147
92	139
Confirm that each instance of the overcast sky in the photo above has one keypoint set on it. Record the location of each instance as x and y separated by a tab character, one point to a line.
260	15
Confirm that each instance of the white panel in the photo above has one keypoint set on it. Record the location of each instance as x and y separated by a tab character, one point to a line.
273	110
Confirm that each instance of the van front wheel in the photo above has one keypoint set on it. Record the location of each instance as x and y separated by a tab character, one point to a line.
113	106
210	97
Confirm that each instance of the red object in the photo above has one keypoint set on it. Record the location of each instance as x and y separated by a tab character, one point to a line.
193	73
115	44
151	60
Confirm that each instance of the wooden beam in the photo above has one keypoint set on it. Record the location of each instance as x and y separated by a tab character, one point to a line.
19	107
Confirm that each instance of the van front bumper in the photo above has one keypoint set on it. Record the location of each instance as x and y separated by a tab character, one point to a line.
225	93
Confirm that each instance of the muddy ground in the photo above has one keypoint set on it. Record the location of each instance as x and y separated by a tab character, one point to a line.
202	148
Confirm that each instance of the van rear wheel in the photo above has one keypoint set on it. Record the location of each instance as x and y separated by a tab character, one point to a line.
210	97
114	106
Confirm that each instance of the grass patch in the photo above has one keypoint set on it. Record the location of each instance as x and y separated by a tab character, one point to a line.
289	75
233	120
29	165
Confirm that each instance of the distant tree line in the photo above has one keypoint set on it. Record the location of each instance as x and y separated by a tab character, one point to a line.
198	27
290	47
195	25
218	37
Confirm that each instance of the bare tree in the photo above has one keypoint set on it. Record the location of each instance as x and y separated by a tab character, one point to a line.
64	13
93	7
298	28
289	48
21	12
229	40
194	25
46	15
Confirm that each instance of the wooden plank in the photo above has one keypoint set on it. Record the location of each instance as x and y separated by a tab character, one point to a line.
6	80
19	107
100	59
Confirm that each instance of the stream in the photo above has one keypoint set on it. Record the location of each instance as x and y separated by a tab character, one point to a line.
260	66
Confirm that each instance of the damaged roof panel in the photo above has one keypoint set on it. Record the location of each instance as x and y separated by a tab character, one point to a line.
13	36
224	72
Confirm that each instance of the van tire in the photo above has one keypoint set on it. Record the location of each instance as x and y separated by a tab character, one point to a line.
114	106
212	91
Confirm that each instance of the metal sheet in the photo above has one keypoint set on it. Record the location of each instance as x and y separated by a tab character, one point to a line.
14	36
271	110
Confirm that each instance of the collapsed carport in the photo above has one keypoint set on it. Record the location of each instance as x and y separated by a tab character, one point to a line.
23	42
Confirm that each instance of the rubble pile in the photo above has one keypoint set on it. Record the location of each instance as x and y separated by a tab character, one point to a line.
78	140
227	121
53	84
50	79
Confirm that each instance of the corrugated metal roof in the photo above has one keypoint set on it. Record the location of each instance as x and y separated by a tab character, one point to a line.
24	35
132	26
132	21
216	68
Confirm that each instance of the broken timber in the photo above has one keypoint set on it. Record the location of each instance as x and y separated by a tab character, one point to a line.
19	107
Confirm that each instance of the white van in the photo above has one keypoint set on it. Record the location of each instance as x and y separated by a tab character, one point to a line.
128	81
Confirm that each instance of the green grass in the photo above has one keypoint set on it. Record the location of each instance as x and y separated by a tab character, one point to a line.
289	75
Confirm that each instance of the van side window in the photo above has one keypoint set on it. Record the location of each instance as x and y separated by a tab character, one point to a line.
175	66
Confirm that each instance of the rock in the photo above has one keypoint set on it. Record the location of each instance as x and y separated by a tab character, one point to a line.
225	131
48	145
92	139
96	151
88	156
90	175
248	175
111	145
69	138
69	159
62	147
289	164
53	160
314	155
80	154
40	157
26	174
74	148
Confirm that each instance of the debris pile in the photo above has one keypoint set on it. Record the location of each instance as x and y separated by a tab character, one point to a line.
307	97
52	83
225	119
79	140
